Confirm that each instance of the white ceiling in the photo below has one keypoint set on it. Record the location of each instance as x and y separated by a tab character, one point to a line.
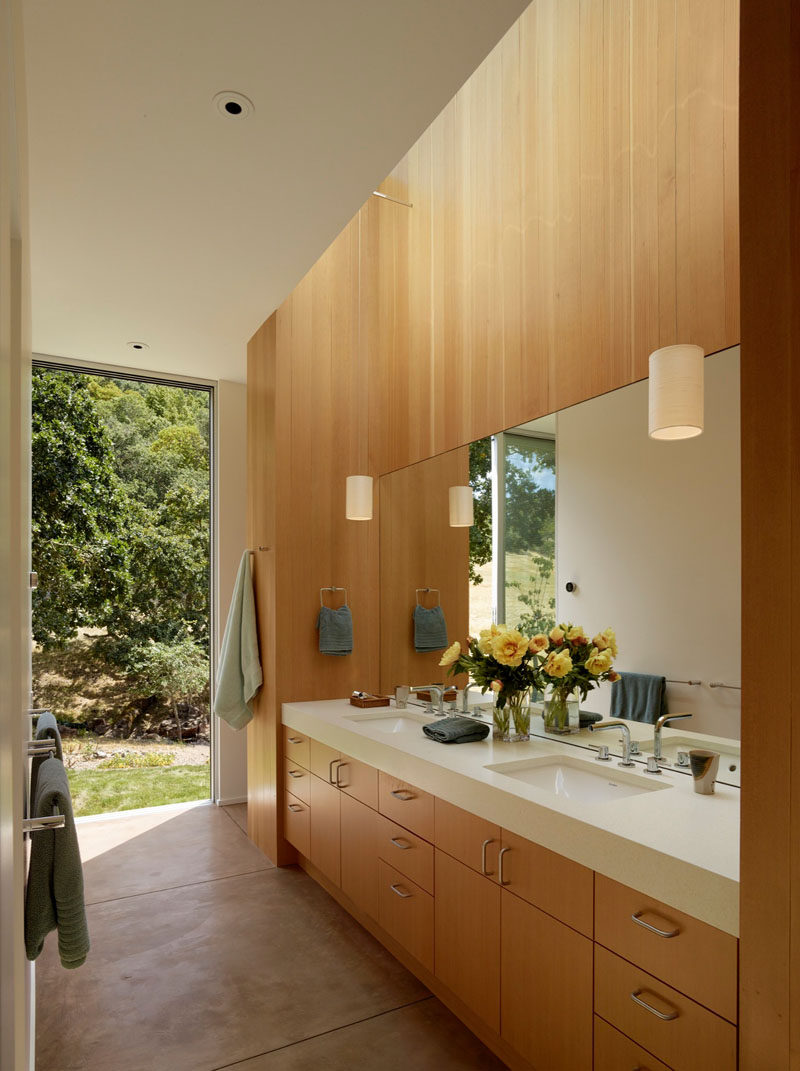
154	218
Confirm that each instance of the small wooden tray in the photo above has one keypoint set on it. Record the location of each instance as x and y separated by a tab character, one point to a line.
370	701
450	696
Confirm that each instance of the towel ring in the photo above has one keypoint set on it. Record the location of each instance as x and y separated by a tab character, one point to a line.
426	591
332	588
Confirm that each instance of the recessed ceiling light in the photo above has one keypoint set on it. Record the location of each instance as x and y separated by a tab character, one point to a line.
233	105
138	346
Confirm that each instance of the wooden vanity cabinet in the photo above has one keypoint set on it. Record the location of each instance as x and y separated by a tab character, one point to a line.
467	937
546	983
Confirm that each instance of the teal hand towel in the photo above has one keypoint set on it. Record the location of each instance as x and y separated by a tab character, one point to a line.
46	728
455	730
639	697
54	895
430	629
239	673
335	631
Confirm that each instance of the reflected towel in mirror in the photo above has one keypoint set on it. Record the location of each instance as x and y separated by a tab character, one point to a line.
430	629
639	697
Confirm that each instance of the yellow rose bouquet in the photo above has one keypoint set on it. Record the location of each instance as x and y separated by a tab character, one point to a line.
504	661
571	666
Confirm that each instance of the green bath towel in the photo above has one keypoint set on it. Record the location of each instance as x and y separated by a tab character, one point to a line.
46	729
239	668
54	896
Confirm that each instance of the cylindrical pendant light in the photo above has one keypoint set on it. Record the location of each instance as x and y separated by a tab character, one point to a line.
462	514
359	498
676	392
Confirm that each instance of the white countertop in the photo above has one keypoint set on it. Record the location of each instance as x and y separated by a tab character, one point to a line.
673	844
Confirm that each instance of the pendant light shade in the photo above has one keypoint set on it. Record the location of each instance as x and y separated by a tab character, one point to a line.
676	392
462	514
359	498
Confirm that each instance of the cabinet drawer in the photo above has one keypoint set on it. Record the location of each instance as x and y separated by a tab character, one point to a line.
686	1036
699	960
467	838
406	913
296	747
321	759
410	807
409	854
297	780
614	1052
296	825
559	886
358	780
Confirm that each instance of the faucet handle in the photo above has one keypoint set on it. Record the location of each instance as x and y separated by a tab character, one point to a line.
401	694
652	765
602	754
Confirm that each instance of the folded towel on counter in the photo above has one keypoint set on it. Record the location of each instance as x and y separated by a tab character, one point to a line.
455	730
430	629
335	631
54	896
639	697
46	729
239	673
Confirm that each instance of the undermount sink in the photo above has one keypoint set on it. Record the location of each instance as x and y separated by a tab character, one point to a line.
391	721
578	779
730	753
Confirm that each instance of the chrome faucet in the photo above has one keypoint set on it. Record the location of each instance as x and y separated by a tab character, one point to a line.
465	696
662	721
626	747
430	689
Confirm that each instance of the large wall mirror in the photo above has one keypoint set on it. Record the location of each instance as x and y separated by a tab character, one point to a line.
646	533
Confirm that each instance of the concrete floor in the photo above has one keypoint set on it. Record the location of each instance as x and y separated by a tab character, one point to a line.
206	957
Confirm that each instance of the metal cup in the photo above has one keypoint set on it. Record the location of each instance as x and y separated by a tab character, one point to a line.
705	765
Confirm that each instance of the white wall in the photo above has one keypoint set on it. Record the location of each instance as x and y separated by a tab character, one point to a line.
231	458
650	532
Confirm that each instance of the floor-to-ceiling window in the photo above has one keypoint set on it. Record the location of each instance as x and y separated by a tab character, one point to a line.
121	542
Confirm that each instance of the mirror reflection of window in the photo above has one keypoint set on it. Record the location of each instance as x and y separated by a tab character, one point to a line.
512	543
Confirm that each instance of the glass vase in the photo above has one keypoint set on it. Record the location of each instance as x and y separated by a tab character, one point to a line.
501	722
562	712
513	721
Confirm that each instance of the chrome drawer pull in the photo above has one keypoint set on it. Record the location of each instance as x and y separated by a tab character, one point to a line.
402	794
338	775
653	929
501	879
649	1007
330	770
295	807
403	895
295	773
484	846
295	740
398	842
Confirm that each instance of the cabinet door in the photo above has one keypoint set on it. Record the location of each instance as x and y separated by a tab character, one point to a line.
325	853
467	937
357	779
547	988
321	759
465	837
359	855
549	881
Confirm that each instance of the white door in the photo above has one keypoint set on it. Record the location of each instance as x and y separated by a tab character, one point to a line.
16	1014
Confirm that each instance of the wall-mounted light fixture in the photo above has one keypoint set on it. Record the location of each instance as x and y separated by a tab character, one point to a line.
462	513
358	505
676	392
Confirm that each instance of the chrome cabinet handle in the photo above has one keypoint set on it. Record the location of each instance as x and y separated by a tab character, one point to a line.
399	843
500	876
295	773
403	895
649	1007
295	740
295	807
402	794
331	764
653	929
484	846
338	772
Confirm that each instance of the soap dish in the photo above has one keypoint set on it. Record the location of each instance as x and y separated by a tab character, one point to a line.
369	701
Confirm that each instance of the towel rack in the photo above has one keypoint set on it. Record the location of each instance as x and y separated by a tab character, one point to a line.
50	821
259	548
693	683
331	588
426	591
41	747
719	684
